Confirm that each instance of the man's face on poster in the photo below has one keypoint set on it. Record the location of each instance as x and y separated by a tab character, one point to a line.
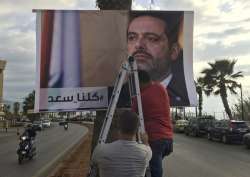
148	43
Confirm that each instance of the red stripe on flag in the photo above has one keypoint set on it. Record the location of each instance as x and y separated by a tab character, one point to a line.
46	43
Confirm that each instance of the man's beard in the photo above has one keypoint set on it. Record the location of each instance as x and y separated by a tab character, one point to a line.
158	69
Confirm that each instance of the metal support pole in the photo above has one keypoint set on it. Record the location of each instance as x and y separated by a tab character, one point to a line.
242	106
184	113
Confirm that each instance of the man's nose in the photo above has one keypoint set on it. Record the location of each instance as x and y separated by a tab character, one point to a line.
140	43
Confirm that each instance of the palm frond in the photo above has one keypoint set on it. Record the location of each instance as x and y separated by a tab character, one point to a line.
237	75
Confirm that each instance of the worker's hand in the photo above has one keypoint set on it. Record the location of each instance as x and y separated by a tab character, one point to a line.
144	138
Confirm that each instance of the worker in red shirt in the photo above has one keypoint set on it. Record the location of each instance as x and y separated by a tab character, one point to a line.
158	125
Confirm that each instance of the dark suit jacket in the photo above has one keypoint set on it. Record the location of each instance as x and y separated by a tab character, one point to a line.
177	89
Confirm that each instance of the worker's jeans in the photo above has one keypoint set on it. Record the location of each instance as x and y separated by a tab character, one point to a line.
160	149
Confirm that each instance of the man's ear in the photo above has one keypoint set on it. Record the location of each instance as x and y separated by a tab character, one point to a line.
174	52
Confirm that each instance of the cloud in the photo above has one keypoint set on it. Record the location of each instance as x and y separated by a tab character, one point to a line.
244	68
85	5
18	49
221	30
19	79
137	6
14	6
218	50
226	7
16	22
227	32
17	92
174	5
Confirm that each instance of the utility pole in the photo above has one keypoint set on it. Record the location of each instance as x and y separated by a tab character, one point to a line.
242	106
184	113
150	4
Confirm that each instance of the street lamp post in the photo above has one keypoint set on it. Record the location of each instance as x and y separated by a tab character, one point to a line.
242	106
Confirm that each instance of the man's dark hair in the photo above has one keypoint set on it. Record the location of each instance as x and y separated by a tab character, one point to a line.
172	20
128	122
144	77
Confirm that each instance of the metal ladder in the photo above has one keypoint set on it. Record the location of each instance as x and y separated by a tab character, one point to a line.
129	67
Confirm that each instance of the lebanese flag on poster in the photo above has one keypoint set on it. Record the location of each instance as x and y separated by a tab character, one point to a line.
58	51
65	55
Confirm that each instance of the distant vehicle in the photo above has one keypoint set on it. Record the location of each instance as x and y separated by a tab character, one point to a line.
246	140
228	131
62	122
55	120
180	125
25	120
46	123
73	119
38	125
66	126
198	126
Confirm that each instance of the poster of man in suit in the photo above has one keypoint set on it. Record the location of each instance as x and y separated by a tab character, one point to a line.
79	54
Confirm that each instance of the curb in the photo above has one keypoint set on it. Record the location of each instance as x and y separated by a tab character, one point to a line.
47	170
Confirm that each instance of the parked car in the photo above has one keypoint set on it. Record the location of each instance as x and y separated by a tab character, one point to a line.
46	123
38	125
180	125
198	126
62	122
246	140
228	131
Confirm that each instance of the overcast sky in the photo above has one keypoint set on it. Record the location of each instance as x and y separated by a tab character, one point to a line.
221	30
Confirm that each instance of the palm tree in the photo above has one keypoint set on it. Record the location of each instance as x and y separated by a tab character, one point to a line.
16	107
220	78
114	4
6	110
199	90
107	5
29	102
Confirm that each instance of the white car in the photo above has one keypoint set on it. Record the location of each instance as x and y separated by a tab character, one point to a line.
46	123
38	125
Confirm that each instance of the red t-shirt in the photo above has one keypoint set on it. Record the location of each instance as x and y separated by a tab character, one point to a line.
156	111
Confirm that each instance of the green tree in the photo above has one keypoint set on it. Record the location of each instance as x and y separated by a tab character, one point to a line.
219	78
29	102
199	90
16	107
114	4
6	110
237	108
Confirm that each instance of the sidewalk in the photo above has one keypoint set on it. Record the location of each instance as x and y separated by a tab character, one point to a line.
77	164
12	131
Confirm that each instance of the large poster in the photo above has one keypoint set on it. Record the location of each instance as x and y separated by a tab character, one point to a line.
79	54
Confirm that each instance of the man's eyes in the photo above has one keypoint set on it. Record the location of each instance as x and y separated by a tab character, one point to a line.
146	38
151	38
132	37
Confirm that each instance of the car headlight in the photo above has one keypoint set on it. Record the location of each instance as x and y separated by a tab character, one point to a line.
23	138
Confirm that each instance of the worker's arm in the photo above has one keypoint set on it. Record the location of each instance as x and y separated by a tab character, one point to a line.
144	138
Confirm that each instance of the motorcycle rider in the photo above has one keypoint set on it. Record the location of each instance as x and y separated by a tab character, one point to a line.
30	132
66	125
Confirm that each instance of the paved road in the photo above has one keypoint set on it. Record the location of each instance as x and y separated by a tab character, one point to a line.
198	157
50	143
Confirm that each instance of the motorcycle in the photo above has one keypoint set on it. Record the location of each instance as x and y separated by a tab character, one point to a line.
26	149
65	126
